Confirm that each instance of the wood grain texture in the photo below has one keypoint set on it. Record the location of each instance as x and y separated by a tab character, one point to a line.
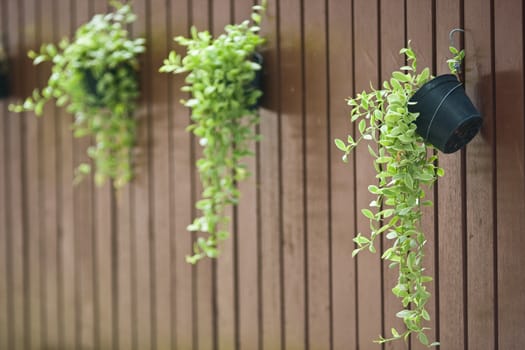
369	283
270	249
246	235
317	238
183	277
292	165
508	22
84	267
342	178
480	175
65	177
4	203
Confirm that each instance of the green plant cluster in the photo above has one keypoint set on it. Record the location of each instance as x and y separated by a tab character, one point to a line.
94	77
405	167
220	75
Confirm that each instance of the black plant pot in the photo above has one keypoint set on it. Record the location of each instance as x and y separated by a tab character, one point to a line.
91	82
4	85
447	118
257	81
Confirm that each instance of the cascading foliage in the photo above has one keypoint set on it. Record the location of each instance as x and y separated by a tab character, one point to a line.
220	72
405	167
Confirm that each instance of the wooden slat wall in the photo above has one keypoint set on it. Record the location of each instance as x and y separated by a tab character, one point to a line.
83	267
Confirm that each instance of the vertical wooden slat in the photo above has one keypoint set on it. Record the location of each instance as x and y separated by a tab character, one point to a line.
342	207
392	40
204	320
103	249
292	165
15	307
450	197
83	218
182	195
141	196
270	210
226	298
480	178
4	320
125	317
246	235
368	265
419	26
161	186
317	181
508	18
66	244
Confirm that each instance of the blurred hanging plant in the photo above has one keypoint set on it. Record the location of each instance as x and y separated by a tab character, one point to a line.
95	78
405	167
220	75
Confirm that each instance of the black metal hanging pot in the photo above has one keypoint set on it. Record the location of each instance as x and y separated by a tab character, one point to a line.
447	118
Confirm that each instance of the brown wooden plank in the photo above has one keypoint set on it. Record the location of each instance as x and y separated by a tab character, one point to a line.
84	226
32	267
342	208
480	179
66	243
15	210
292	165
125	304
450	207
161	185
103	249
246	235
392	40
317	181
204	318
270	212
420	32
182	170
4	319
368	265
508	17
141	187
225	299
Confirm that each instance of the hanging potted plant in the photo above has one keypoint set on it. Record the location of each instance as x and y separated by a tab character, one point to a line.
4	69
95	78
411	114
222	80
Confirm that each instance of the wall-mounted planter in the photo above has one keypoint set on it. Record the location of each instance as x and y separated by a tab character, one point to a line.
4	84
91	81
4	76
257	81
447	118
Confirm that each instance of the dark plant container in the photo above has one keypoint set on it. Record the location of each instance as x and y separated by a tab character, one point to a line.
91	82
4	78
447	118
4	85
258	80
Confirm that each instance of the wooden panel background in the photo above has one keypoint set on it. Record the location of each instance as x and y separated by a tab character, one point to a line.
82	267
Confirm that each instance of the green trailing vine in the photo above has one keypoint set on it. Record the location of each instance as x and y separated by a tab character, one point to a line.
95	78
405	166
220	72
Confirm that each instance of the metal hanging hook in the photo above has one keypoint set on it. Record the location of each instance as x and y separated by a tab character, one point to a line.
457	65
451	35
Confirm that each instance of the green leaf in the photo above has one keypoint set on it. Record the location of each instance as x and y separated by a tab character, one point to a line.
423	338
362	126
368	213
340	144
